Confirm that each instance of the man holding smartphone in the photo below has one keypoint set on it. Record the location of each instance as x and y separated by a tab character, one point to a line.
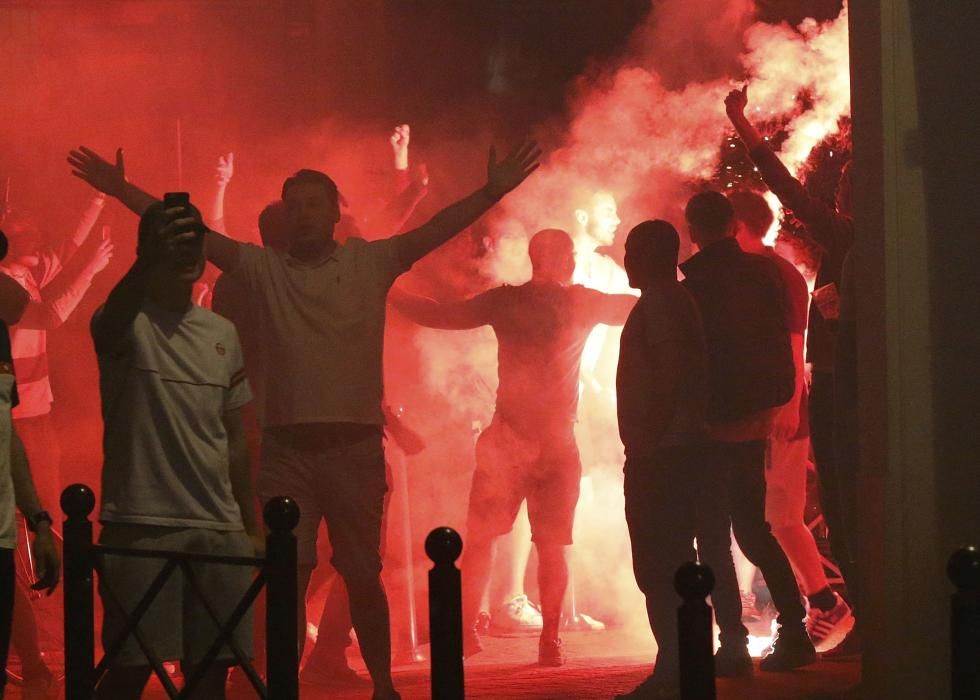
323	307
176	471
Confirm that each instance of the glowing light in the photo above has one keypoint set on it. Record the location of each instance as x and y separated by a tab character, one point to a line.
646	138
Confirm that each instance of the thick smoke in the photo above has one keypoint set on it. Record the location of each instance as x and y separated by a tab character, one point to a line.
647	129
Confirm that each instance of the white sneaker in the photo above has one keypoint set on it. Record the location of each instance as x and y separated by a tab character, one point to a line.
583	623
828	628
516	618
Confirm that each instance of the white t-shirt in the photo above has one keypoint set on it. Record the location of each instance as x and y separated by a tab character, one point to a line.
325	330
164	394
8	503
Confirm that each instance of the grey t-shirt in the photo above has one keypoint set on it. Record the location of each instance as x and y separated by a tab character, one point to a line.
665	314
164	394
324	330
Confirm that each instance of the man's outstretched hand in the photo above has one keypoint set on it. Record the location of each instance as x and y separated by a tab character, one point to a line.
736	102
505	175
97	171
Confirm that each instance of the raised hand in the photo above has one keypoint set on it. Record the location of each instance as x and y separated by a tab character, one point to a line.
104	176
505	175
737	101
178	227
103	252
225	169
400	138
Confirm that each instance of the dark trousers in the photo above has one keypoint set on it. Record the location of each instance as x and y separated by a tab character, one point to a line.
7	583
660	496
836	462
732	498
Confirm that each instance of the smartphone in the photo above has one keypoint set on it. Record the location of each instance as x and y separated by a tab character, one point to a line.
172	200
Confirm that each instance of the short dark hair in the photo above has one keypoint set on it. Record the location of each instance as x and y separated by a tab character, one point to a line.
549	243
659	239
151	219
710	212
752	211
4	245
312	177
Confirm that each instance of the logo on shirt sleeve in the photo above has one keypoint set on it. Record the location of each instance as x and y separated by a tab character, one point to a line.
219	348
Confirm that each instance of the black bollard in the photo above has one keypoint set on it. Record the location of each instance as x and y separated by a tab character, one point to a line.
694	632
964	571
78	501
444	545
282	626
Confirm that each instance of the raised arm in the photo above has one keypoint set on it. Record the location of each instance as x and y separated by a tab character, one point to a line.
502	177
613	309
225	170
109	178
111	324
410	188
61	295
86	223
815	214
456	316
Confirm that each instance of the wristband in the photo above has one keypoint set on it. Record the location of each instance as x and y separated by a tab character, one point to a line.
41	516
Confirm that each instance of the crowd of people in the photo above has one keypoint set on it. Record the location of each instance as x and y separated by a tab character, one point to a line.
277	354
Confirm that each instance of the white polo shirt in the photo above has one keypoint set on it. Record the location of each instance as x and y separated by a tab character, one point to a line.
324	326
164	395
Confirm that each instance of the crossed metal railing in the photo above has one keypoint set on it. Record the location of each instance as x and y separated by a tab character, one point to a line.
276	573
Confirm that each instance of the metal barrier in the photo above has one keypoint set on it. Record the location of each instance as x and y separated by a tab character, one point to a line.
964	571
277	572
695	635
444	545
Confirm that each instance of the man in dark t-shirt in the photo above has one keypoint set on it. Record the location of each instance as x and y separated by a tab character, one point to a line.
529	450
751	375
661	385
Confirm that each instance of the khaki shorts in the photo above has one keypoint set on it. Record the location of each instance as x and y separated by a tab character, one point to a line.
344	486
543	468
177	625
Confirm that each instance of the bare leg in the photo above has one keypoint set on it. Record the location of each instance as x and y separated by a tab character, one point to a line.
553	580
475	567
510	562
23	634
744	569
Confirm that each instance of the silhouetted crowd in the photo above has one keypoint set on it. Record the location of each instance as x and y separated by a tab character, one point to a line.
733	380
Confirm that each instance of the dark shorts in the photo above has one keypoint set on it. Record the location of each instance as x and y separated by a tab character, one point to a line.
542	466
177	624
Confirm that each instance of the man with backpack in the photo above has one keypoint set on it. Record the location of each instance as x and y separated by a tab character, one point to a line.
741	298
